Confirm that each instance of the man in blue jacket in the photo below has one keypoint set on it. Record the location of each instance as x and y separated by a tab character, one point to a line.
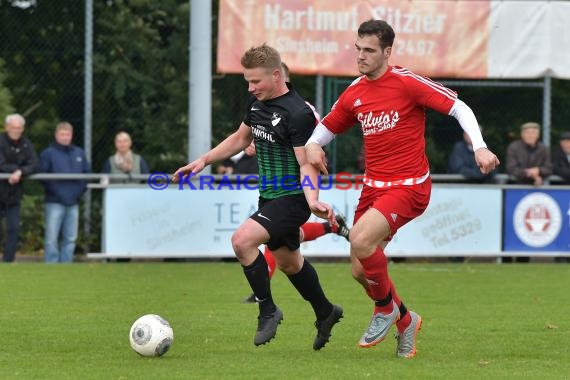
462	161
62	196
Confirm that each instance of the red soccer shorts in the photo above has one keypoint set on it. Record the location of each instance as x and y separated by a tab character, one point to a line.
398	204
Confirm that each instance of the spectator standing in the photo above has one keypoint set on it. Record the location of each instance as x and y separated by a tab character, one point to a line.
17	157
528	159
125	161
62	196
561	158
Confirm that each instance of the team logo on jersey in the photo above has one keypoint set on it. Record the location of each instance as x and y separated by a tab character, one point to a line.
373	124
275	119
537	220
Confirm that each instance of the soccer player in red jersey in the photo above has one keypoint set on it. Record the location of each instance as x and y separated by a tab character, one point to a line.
389	103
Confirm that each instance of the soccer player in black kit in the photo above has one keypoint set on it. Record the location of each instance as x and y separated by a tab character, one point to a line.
280	123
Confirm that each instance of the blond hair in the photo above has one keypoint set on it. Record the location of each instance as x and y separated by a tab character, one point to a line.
261	56
64	126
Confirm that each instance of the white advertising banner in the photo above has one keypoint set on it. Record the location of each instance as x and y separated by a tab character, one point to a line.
458	222
141	222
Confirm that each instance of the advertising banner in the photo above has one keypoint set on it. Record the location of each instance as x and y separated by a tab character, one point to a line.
458	222
537	221
142	222
437	38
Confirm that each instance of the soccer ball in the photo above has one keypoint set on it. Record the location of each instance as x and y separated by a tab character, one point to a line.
151	335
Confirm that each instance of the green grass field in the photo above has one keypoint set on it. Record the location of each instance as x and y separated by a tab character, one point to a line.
480	321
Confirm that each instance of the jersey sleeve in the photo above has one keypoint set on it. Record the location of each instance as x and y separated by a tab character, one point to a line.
341	117
430	94
302	124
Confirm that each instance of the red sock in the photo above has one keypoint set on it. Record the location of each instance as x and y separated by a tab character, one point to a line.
395	295
312	230
376	272
403	322
270	259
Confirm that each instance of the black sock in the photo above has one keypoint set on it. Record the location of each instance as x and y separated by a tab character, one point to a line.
403	310
385	301
306	281
257	275
328	228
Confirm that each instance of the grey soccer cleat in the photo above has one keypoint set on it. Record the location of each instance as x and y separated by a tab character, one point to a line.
267	327
379	326
343	229
407	339
325	326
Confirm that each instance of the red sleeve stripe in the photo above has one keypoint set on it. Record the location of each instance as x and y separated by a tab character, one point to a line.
436	86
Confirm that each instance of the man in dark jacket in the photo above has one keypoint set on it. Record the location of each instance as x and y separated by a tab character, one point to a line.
18	158
62	197
528	160
561	158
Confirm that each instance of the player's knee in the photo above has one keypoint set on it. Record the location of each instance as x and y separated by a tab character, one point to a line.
290	265
240	243
360	243
358	274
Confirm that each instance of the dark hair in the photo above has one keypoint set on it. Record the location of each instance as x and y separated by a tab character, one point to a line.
380	29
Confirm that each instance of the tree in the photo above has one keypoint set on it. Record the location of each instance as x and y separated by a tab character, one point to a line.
141	78
5	95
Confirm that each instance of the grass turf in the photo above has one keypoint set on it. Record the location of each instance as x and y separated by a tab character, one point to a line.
480	321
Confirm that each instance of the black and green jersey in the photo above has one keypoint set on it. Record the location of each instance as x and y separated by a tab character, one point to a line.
277	126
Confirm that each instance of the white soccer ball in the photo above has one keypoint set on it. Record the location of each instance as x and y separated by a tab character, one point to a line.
151	335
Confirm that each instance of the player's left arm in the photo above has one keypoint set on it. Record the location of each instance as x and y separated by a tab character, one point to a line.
303	126
310	184
486	160
436	96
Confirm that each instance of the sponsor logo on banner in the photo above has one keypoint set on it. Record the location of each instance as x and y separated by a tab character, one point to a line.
537	220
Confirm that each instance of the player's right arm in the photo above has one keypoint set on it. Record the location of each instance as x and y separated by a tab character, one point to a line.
234	143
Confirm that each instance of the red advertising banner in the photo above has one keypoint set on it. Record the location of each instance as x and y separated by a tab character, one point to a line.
435	38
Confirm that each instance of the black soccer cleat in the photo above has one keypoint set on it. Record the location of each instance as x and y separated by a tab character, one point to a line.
267	327
325	326
343	229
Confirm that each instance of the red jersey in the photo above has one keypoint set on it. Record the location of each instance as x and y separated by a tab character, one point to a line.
391	113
